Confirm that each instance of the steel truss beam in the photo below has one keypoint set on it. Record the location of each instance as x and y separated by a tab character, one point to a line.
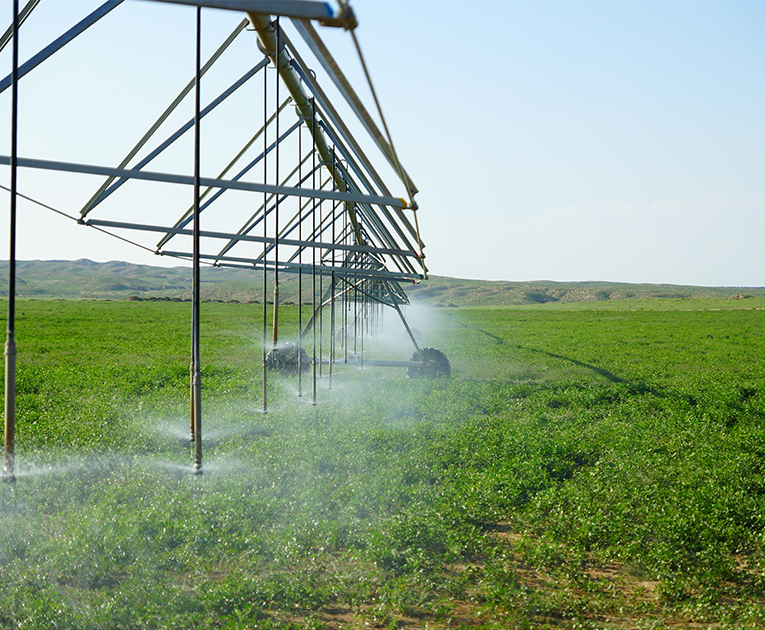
321	270
165	115
373	226
311	37
364	242
184	220
23	15
62	41
175	136
302	9
376	223
168	178
367	249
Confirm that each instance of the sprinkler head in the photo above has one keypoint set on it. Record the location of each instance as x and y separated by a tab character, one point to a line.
197	469
8	477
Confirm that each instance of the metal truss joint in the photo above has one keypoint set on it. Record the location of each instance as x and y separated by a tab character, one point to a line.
345	18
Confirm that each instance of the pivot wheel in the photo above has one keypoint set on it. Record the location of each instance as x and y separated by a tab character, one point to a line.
284	358
435	364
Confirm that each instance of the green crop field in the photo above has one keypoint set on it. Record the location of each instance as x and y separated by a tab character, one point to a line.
588	465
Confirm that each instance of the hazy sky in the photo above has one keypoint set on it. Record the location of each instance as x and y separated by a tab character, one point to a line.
620	141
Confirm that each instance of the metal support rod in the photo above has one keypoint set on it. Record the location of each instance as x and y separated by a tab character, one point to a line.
261	23
23	15
164	116
321	306
62	41
276	207
136	173
363	320
313	253
311	37
252	222
402	223
372	319
300	271
301	9
249	263
409	332
196	380
9	451
346	297
324	300
265	240
164	145
332	330
355	315
332	289
297	243
332	114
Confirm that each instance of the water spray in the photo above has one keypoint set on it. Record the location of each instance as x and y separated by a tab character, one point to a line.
361	252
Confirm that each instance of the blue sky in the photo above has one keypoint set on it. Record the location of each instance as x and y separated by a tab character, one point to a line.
620	141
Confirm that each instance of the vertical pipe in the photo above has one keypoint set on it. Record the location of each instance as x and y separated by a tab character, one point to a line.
277	61
373	315
345	322
260	22
358	329
372	310
332	288
378	319
313	249
9	451
355	295
321	293
265	236
196	380
300	268
346	292
355	314
363	321
332	329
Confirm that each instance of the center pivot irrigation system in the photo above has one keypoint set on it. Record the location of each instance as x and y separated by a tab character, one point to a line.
299	196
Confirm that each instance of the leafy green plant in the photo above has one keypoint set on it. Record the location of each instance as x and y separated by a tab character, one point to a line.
582	467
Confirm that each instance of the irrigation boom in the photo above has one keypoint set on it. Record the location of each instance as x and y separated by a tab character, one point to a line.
304	194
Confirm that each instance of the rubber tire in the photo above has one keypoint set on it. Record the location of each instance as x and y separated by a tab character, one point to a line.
436	365
284	358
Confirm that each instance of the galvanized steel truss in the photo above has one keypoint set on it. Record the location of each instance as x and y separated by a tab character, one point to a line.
332	177
321	206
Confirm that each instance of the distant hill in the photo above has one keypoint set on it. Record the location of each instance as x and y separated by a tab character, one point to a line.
70	279
85	279
442	291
